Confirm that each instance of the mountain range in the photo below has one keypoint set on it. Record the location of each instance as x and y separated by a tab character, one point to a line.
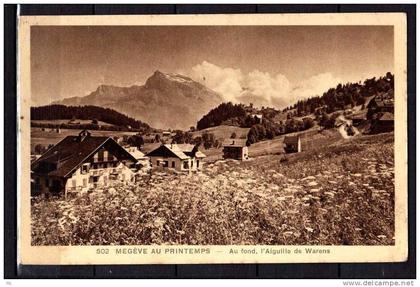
164	101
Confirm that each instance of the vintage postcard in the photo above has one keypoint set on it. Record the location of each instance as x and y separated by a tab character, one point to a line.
178	139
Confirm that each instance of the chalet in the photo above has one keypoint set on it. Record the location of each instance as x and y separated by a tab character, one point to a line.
381	104
79	163
292	144
142	161
181	157
382	123
235	149
358	119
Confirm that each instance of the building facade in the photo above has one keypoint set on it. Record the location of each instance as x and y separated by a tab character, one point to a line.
181	157
292	144
235	149
79	163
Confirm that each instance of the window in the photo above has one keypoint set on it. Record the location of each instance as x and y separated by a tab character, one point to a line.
84	182
165	163
173	164
185	164
85	168
198	163
157	162
101	155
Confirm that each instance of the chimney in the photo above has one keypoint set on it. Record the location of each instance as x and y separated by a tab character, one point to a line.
194	150
83	134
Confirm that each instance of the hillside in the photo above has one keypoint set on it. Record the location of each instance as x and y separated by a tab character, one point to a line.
223	132
344	96
161	100
84	113
266	123
60	122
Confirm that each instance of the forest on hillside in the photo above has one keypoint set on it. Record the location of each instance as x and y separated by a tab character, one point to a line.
93	113
298	117
345	96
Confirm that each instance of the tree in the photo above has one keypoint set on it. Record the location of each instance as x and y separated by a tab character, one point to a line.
308	123
270	134
136	140
221	113
252	135
208	140
327	121
157	138
198	140
39	149
291	126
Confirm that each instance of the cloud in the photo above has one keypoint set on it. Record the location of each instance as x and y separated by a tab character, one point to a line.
259	87
225	81
314	86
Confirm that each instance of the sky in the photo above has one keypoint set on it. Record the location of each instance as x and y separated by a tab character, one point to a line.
279	63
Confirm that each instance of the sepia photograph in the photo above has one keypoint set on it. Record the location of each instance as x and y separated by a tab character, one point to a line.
201	135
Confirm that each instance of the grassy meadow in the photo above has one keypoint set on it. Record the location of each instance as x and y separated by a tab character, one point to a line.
337	192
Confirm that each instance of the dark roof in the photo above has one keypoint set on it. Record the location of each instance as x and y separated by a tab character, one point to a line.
386	117
182	151
67	155
234	143
359	116
291	139
385	100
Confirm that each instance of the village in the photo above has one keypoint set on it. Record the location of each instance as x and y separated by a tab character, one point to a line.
77	164
85	176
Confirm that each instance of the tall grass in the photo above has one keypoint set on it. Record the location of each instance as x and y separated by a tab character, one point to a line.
342	194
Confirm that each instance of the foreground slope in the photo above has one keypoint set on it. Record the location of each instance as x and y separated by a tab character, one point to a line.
341	194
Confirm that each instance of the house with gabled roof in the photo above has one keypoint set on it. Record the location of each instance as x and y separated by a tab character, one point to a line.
381	104
181	157
142	161
79	163
292	144
235	149
382	123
